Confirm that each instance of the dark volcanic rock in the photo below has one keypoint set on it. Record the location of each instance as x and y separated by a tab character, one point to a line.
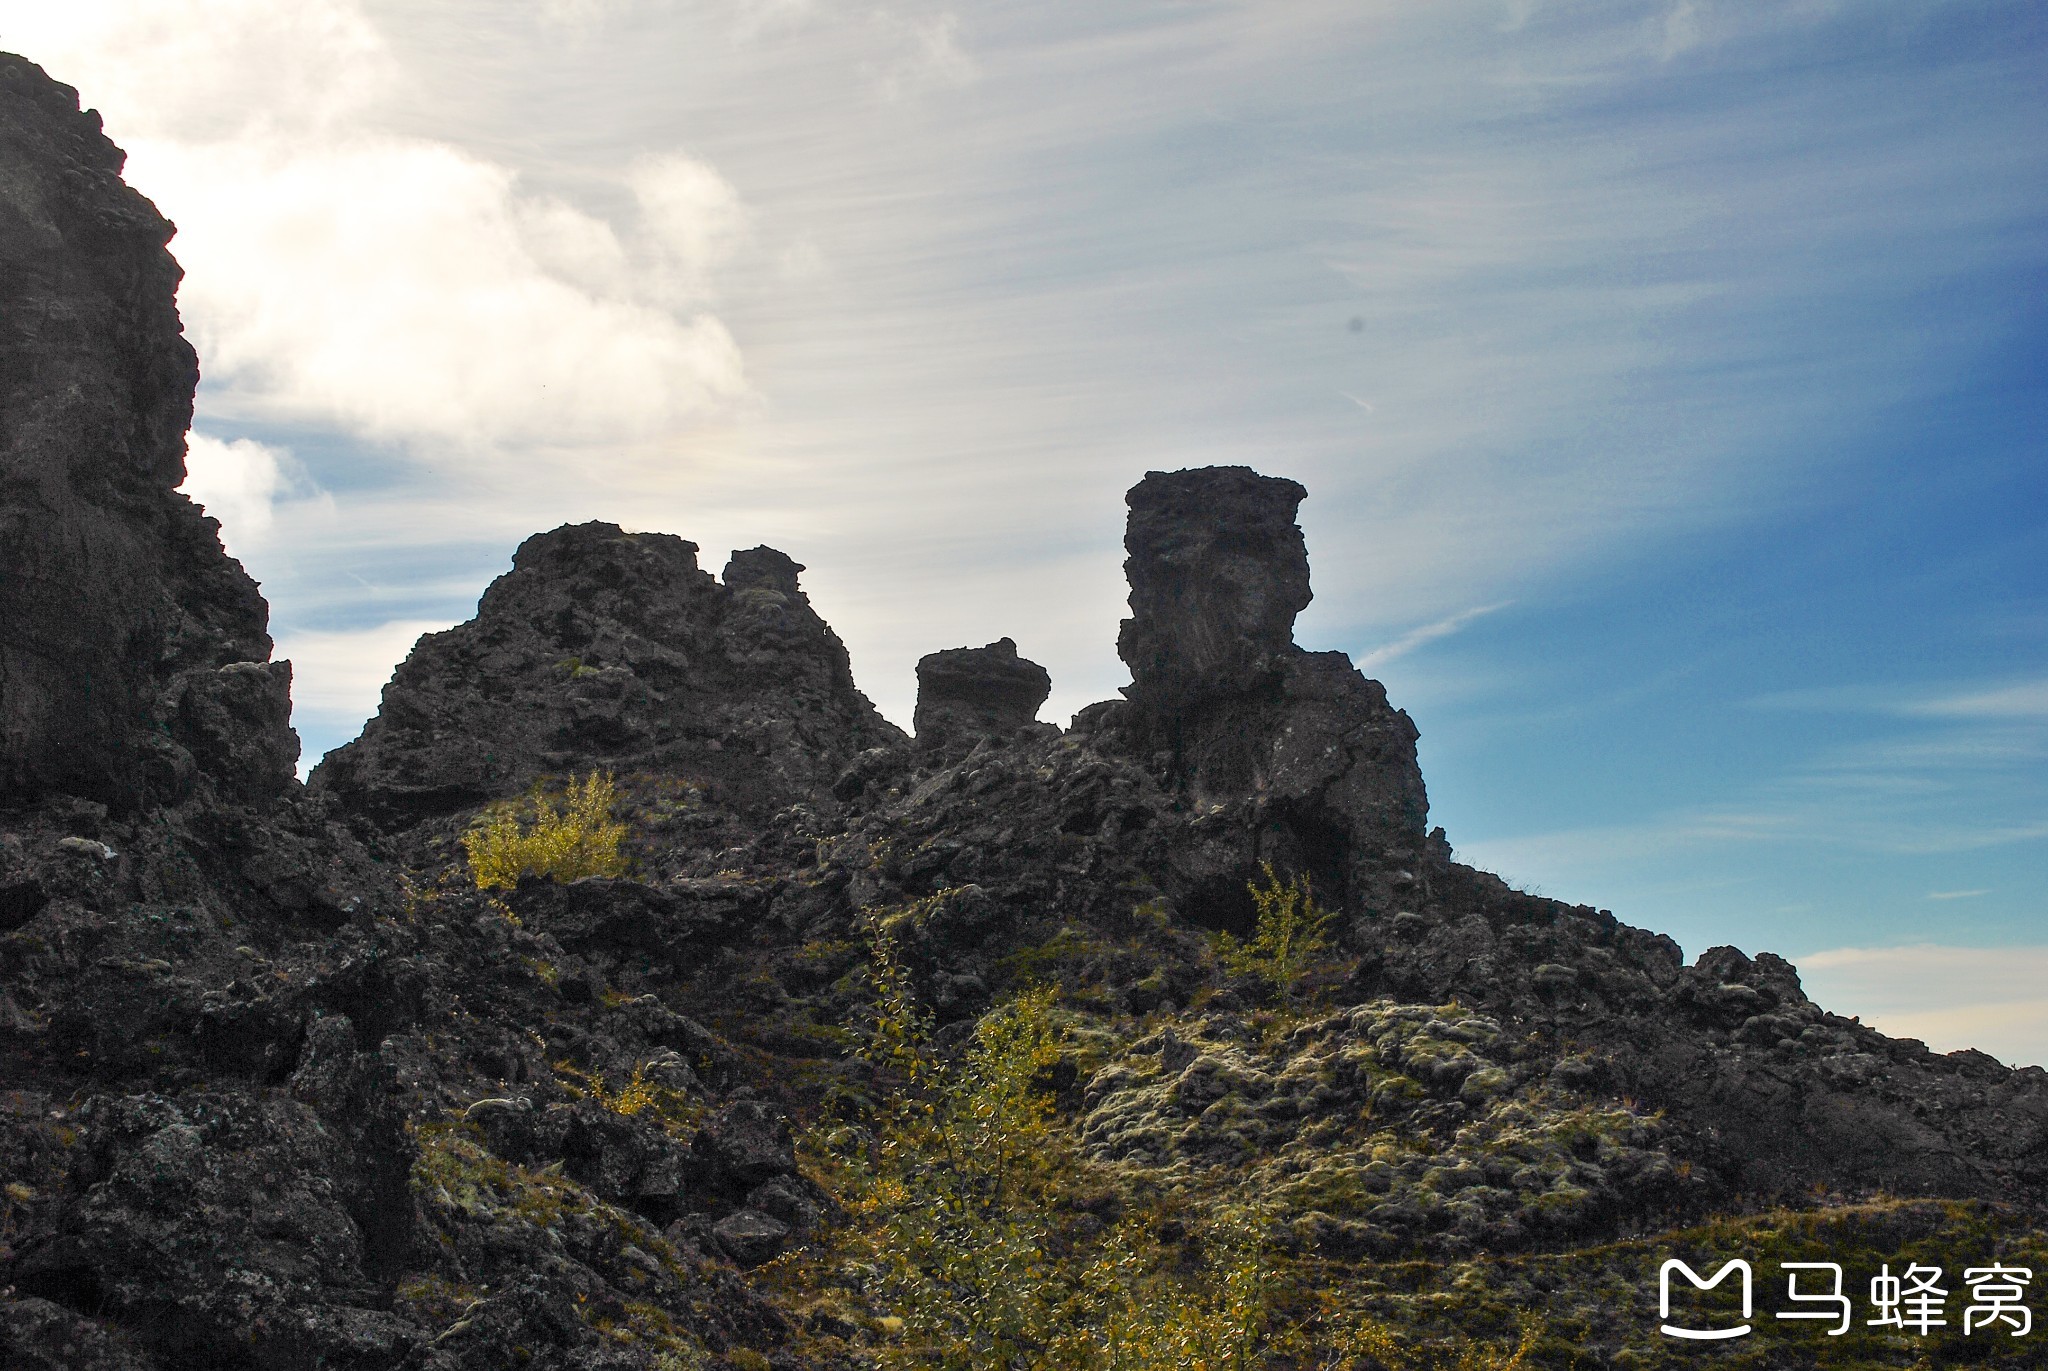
121	612
152	836
1218	570
750	1237
183	1195
41	1335
1773	1093
965	693
745	1144
602	648
1287	756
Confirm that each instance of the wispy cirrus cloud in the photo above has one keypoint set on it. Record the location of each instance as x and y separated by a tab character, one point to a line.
2021	700
1913	823
1428	633
1990	700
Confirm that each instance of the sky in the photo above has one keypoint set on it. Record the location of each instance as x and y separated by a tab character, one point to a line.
1667	379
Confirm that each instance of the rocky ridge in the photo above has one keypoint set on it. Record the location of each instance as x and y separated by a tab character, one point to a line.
279	1087
607	648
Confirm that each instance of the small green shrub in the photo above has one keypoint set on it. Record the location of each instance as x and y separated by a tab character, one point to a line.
1290	936
563	836
672	1109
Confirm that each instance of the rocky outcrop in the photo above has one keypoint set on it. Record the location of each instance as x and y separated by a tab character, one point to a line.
134	659
1770	1092
1287	756
968	693
1218	570
602	648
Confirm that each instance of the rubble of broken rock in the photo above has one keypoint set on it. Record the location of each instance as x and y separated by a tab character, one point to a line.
281	1088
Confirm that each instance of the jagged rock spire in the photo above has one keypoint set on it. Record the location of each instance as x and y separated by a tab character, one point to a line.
1218	570
1293	757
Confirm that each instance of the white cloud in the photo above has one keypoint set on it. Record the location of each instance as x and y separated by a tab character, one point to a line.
577	247
1989	998
344	275
347	669
206	69
236	482
692	216
389	287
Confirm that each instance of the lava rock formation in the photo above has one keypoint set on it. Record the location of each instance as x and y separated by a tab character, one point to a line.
281	1088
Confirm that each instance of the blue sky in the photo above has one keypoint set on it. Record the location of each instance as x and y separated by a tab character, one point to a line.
1667	379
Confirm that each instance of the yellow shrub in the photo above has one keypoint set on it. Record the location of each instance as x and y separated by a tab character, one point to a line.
564	836
1149	1320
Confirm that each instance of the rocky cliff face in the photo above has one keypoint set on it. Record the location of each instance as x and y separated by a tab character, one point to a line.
266	1102
156	851
602	648
126	638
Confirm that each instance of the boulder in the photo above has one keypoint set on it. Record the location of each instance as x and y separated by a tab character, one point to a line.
969	693
750	1237
744	1144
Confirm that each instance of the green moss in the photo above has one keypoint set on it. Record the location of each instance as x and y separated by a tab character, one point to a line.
1060	960
435	1301
455	1171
